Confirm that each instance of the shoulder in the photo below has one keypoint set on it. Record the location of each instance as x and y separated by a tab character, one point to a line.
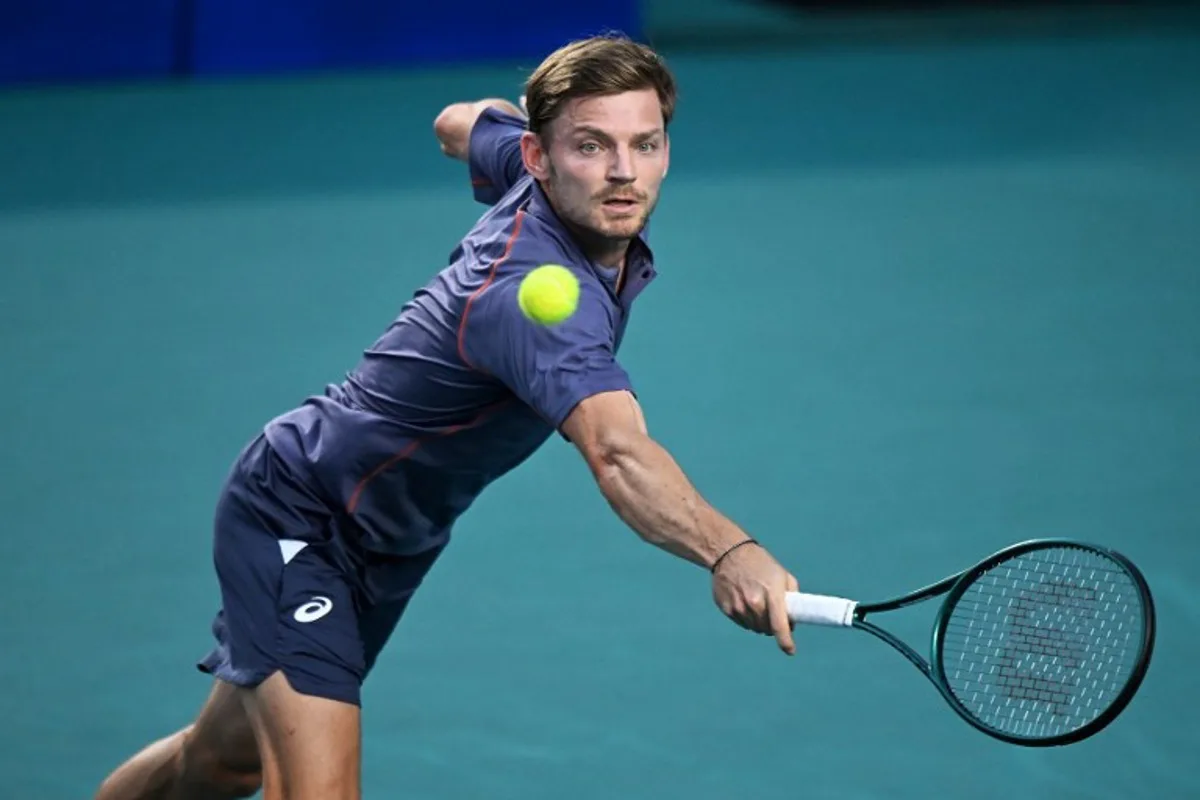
509	275
493	121
509	236
497	299
502	224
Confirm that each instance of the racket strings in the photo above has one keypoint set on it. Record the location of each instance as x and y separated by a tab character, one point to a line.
1041	644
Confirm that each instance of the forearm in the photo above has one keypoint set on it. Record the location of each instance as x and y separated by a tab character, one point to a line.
650	493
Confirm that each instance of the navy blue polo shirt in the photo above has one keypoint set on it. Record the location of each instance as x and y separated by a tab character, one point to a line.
462	387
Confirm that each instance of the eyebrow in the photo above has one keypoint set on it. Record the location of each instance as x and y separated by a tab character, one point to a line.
599	134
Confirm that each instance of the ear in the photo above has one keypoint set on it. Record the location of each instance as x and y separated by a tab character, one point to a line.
666	154
533	153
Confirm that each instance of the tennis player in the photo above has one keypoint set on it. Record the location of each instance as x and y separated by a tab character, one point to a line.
331	518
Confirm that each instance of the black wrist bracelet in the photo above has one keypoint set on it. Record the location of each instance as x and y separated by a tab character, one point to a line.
721	558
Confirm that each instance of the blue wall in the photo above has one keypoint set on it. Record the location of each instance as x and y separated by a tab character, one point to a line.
48	40
80	40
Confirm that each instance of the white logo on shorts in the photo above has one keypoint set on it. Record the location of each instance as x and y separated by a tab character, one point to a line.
314	609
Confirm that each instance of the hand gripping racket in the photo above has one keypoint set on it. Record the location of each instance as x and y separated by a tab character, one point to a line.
1043	643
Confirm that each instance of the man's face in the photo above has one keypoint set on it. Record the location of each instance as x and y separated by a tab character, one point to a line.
602	161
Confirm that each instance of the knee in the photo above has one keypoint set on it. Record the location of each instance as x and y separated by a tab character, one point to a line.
224	770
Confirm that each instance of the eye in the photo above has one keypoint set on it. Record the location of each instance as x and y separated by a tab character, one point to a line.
588	148
648	147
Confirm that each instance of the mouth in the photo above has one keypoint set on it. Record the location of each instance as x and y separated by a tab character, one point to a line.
620	204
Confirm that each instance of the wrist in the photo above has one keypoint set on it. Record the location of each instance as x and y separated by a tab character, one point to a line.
729	551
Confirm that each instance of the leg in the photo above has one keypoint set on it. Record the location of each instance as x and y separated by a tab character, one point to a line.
307	716
315	742
214	758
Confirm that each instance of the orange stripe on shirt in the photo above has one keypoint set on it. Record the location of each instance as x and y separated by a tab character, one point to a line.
462	326
412	447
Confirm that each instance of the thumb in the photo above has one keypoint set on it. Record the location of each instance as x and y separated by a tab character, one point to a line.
781	626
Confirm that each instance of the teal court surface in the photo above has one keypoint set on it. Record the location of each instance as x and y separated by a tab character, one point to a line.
915	303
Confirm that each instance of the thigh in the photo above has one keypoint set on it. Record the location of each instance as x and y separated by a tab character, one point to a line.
314	742
290	599
301	618
222	731
387	586
221	750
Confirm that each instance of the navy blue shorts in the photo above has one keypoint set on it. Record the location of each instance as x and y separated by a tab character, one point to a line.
297	595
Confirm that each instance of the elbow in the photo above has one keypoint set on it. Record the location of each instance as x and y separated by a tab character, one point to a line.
612	481
612	455
443	123
450	128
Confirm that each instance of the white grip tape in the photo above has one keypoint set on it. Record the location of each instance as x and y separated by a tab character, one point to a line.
818	609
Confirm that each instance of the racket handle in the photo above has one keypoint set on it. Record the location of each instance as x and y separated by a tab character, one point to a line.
819	609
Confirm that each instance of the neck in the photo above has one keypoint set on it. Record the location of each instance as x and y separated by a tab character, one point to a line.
613	256
605	252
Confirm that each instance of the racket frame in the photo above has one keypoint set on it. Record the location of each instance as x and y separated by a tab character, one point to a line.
956	585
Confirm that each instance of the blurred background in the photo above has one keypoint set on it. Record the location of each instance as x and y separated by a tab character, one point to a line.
929	286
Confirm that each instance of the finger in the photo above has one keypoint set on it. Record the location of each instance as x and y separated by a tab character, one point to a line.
781	625
757	618
737	612
758	614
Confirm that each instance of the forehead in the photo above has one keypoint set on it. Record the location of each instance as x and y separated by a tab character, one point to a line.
624	114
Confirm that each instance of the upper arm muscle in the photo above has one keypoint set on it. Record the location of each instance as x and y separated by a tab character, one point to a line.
602	423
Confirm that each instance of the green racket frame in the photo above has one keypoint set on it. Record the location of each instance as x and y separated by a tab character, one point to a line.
955	585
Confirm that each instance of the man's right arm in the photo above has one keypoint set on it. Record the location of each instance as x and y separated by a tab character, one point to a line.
650	493
569	375
642	482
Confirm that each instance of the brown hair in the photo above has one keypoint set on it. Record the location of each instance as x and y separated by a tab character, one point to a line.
600	65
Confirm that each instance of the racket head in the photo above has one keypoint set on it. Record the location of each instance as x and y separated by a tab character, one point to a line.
1045	642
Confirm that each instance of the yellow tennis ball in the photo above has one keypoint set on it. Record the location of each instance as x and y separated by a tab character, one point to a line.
549	294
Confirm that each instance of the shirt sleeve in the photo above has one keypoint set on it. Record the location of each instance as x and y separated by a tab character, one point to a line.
551	368
494	154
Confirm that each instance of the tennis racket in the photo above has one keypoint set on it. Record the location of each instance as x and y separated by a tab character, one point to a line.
1043	643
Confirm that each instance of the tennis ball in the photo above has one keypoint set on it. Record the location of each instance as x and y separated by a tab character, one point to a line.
549	294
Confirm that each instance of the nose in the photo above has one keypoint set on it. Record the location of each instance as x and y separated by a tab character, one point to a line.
620	168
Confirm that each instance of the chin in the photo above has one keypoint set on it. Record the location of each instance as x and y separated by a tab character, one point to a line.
619	229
